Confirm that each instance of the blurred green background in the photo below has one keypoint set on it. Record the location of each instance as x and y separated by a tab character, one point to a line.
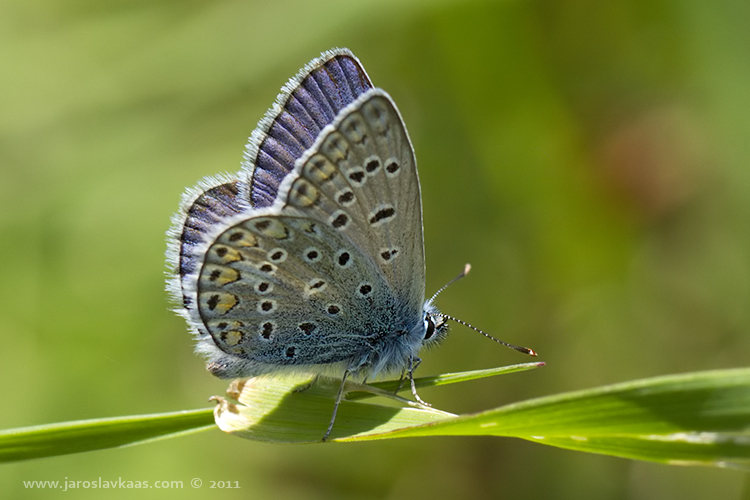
590	159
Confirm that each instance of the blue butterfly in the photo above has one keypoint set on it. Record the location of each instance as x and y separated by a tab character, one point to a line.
311	257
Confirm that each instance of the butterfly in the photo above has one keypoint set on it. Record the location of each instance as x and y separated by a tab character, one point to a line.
311	257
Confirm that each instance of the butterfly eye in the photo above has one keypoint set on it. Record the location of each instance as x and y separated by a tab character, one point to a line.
429	327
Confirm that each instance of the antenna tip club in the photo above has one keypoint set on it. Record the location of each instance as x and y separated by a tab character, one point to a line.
524	350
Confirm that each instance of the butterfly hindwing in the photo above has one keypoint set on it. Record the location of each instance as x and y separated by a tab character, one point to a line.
276	290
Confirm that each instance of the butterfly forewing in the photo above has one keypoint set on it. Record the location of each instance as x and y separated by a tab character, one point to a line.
362	181
335	269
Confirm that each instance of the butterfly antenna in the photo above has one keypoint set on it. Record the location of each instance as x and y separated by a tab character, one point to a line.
524	350
463	273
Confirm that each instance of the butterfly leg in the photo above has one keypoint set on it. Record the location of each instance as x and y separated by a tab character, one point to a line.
339	396
401	381
413	364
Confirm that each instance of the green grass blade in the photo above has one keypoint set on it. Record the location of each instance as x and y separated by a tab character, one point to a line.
98	434
696	419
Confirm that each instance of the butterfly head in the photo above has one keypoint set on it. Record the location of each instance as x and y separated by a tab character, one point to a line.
435	325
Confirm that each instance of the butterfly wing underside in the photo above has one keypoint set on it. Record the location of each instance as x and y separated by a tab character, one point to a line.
308	103
331	273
